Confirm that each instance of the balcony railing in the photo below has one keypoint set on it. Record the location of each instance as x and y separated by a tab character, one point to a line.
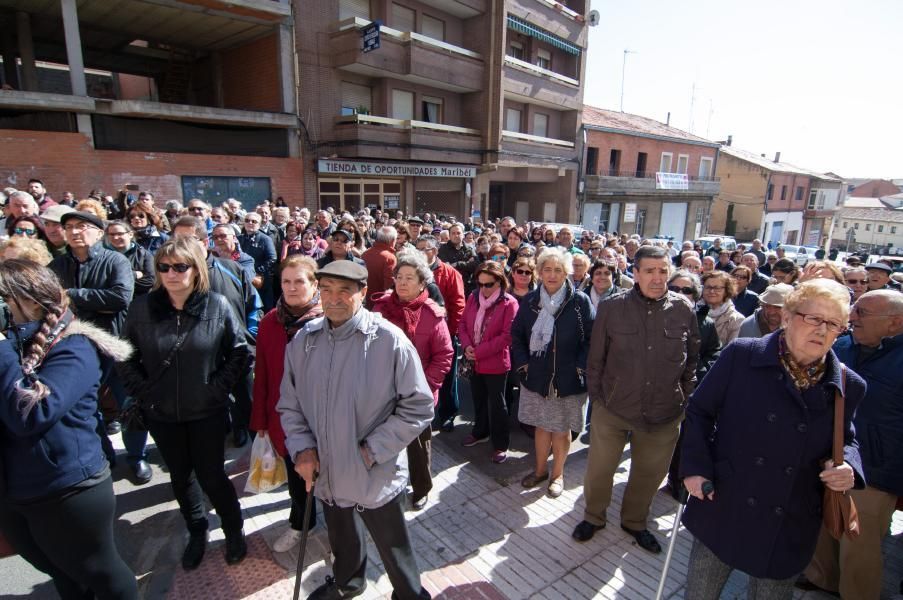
524	137
404	124
531	68
406	36
648	175
564	10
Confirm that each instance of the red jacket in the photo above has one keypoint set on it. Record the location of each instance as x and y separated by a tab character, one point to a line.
451	285
380	261
271	343
431	339
494	351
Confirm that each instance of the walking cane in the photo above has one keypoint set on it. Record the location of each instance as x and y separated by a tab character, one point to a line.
682	496
305	529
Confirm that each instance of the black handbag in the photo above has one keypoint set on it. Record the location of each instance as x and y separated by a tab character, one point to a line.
133	416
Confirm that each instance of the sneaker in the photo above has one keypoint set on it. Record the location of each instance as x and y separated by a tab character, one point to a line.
287	540
499	456
448	426
556	487
472	440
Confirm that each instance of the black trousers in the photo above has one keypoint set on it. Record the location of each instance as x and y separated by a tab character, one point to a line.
71	539
387	527
419	461
193	452
449	402
490	412
240	408
297	491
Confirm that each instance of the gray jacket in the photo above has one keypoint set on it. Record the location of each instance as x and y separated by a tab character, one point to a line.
361	382
749	328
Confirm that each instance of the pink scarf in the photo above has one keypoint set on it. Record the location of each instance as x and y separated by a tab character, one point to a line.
485	304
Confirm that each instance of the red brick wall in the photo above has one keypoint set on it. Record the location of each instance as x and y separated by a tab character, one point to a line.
67	162
251	75
875	189
630	146
779	180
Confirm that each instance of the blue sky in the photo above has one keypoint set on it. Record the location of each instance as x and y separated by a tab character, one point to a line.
819	81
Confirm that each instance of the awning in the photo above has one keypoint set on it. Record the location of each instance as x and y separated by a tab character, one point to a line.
541	34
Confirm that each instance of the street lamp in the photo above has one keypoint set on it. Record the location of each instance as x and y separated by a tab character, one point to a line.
623	69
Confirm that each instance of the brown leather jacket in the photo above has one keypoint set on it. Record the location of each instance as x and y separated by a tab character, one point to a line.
642	357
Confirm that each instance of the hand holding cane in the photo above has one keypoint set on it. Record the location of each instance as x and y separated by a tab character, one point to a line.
682	496
305	530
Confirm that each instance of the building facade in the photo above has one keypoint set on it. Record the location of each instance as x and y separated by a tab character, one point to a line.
461	106
875	230
645	177
183	98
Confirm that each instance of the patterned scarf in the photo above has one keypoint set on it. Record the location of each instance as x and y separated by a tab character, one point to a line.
405	315
294	318
803	376
541	334
485	304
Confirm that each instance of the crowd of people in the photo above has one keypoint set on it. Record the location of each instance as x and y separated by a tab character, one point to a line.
190	324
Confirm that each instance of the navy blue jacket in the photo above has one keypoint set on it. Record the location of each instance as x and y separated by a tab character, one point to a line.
747	302
763	444
56	445
879	420
565	354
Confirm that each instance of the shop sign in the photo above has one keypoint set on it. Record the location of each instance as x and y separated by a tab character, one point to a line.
630	212
348	167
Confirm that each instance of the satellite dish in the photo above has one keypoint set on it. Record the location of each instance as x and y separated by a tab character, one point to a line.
594	18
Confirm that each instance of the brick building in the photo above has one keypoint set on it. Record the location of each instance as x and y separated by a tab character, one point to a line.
772	200
871	188
465	105
646	177
186	98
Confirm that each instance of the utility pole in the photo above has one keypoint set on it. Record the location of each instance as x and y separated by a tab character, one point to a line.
692	106
623	70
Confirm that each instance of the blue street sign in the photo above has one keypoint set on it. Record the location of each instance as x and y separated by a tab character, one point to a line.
370	37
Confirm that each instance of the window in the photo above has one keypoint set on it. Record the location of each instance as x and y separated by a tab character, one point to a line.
402	105
855	225
355	99
432	27
683	162
705	167
846	225
868	226
541	125
799	193
432	109
812	197
345	193
641	164
880	228
665	165
893	229
770	194
614	162
354	8
516	50
641	222
592	160
783	192
403	18
512	120
544	59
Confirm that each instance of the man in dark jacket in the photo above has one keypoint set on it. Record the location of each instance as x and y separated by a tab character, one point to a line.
263	251
457	254
758	281
641	370
339	249
875	352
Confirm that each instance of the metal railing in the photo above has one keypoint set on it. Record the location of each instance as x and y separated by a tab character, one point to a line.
646	175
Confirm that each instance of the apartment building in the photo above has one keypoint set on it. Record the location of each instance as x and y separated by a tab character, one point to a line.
646	177
185	98
463	107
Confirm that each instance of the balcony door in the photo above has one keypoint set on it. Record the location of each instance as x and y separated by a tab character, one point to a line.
354	8
403	18
402	105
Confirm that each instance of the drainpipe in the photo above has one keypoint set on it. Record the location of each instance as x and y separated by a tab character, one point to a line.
581	177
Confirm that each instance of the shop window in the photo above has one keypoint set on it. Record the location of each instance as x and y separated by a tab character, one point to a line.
250	191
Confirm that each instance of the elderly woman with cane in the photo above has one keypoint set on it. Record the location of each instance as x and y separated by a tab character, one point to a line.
759	428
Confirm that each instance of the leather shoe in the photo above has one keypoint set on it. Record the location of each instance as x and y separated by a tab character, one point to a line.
114	427
644	539
419	503
584	531
240	437
331	591
236	547
194	551
142	472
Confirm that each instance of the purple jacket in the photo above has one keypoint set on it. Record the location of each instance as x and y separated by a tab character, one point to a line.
494	351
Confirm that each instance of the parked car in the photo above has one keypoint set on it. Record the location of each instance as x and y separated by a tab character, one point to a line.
799	254
707	241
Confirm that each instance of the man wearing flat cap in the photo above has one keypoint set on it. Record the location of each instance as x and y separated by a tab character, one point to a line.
350	438
879	277
766	318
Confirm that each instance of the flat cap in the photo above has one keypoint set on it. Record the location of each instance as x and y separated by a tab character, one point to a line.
877	266
344	269
55	213
416	220
775	295
80	215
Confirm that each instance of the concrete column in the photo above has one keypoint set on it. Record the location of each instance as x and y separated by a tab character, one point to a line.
294	144
287	69
26	52
10	72
74	48
216	59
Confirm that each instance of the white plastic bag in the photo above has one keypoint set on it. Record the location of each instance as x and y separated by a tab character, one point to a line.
267	470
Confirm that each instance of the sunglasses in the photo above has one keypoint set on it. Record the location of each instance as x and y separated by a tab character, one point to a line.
195	209
20	231
177	267
137	217
682	290
523	272
220	236
499	257
252	220
857	281
489	285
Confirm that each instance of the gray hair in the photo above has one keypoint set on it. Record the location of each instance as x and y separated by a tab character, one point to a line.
559	255
429	239
22	196
173	205
415	260
386	235
694	279
893	298
753	255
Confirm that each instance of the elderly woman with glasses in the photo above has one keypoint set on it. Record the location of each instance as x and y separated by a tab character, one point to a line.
745	300
580	278
549	349
759	428
717	291
147	227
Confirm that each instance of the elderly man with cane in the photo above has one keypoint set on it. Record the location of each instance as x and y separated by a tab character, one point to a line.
351	437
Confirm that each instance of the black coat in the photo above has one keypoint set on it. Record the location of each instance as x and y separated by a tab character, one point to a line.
710	343
213	356
762	443
565	354
141	260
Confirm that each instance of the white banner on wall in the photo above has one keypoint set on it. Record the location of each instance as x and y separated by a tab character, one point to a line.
672	181
349	167
630	212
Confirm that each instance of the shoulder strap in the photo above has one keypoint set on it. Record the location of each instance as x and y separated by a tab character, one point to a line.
227	272
837	454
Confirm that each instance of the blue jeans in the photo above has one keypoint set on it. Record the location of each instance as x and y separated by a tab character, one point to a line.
135	441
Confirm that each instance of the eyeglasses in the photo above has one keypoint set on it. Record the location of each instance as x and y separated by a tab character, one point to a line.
499	257
857	281
195	209
77	227
139	217
524	272
21	231
220	236
177	267
713	288
688	291
116	234
741	277
489	285
252	220
817	321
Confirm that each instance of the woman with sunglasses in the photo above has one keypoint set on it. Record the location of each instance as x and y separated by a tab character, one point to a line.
190	350
26	226
485	335
522	277
146	225
857	280
759	428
